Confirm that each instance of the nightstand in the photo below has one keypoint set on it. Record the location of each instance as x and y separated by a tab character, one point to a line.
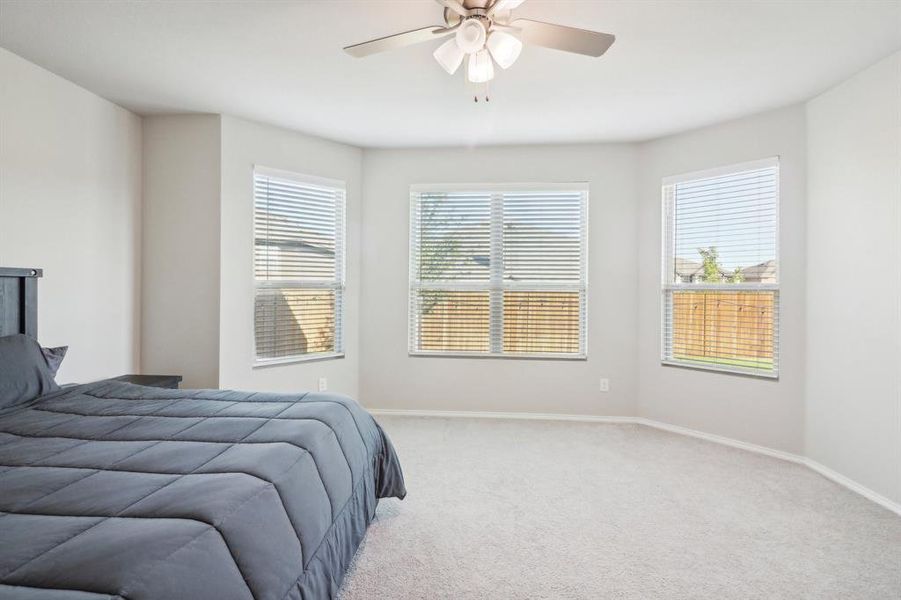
160	381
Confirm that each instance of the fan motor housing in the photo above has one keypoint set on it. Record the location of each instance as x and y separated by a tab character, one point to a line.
475	12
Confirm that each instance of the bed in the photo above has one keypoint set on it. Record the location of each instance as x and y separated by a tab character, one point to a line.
112	490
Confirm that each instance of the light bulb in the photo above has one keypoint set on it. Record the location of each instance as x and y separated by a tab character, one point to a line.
449	56
481	69
504	47
471	36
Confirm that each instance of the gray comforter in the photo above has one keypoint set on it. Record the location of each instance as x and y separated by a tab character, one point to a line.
116	490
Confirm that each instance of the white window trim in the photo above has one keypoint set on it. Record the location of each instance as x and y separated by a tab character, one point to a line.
496	189
311	180
326	184
666	267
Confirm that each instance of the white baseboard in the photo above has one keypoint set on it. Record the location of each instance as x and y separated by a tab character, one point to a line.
720	439
854	486
826	472
476	414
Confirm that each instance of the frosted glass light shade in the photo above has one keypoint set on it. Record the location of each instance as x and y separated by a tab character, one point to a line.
505	48
481	69
449	56
471	36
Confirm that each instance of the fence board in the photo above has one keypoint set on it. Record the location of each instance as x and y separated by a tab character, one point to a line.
542	322
723	325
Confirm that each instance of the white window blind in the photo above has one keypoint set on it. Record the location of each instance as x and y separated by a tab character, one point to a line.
498	270
721	269
298	266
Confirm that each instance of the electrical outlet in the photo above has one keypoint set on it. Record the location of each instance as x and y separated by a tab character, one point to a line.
323	384
605	384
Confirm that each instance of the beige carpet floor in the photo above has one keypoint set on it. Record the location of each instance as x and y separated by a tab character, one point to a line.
558	510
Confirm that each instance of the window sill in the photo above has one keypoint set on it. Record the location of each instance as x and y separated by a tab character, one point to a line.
290	360
573	357
725	369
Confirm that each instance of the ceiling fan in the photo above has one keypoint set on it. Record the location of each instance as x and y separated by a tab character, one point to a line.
485	31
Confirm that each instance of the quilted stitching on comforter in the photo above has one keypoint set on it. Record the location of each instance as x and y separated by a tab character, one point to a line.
116	490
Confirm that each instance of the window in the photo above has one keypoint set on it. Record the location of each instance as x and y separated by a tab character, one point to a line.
298	266
498	270
721	269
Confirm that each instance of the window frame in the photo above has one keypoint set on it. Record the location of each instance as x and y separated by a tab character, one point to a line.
495	283
339	285
667	268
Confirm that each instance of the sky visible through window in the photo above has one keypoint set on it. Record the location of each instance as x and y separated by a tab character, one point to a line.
735	213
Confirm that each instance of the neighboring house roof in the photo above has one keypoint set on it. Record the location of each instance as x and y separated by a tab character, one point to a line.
764	272
483	260
298	245
289	235
688	268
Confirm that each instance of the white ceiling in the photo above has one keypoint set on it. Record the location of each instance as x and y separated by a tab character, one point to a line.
675	64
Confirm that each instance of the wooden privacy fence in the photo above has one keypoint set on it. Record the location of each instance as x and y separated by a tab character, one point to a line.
289	322
723	325
453	321
544	322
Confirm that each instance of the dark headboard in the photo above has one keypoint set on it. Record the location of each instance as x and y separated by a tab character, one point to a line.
19	301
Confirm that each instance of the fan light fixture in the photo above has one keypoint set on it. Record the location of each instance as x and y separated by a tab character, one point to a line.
504	48
469	39
449	56
481	69
471	36
486	32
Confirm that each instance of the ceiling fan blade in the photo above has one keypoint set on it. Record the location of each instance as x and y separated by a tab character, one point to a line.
560	37
398	40
503	5
454	6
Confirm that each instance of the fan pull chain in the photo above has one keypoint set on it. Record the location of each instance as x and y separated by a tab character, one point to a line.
475	98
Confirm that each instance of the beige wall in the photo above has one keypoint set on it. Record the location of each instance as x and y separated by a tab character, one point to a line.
180	320
854	278
623	309
71	164
756	410
392	379
245	144
70	203
198	250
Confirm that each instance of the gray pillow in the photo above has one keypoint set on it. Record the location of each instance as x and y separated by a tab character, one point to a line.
54	357
24	372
